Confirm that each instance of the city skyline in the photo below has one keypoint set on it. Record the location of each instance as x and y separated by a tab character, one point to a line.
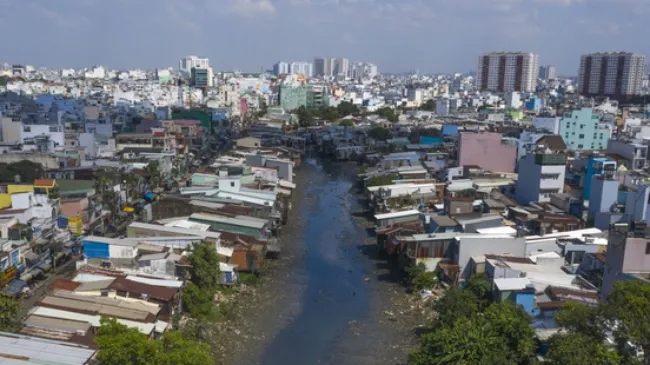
134	34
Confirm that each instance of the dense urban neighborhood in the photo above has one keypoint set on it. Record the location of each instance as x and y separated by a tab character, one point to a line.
324	212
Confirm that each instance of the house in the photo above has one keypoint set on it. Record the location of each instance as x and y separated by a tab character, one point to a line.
249	142
392	218
21	349
251	226
628	255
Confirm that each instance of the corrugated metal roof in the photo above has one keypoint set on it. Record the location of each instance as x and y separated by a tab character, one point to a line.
95	308
93	320
228	220
117	302
40	351
156	282
62	325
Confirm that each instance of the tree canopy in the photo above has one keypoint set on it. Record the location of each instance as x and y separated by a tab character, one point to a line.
204	280
346	108
8	313
28	171
347	123
380	133
381	180
469	330
429	105
120	345
388	113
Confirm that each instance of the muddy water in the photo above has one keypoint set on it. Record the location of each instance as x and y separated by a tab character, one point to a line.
334	292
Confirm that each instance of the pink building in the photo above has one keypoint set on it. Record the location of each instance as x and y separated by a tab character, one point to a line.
487	151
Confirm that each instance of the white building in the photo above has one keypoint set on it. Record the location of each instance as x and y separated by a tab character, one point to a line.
547	72
503	72
541	173
281	68
442	107
340	66
186	64
513	100
611	74
301	67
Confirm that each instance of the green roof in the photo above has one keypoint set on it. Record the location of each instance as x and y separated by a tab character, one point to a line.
75	185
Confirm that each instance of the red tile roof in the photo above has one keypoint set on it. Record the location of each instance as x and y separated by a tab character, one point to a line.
151	291
67	285
46	183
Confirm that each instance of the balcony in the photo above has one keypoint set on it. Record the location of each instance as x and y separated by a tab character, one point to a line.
554	159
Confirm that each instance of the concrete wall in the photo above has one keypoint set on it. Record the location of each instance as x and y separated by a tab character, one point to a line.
481	149
475	246
48	162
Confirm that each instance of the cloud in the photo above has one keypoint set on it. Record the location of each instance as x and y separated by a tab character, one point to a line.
249	8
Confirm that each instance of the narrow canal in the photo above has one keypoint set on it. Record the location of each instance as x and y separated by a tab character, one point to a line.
331	277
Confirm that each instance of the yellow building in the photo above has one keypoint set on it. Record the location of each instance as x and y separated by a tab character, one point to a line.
5	197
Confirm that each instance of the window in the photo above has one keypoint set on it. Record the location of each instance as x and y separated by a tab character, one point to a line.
647	248
581	136
232	184
582	126
579	146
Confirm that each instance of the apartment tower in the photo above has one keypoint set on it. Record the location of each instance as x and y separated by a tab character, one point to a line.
505	72
617	75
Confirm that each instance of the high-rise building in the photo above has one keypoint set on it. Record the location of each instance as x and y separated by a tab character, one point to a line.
281	68
323	66
611	74
299	67
503	72
547	72
186	64
202	77
340	66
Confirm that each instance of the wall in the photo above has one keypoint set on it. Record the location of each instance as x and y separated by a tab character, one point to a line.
481	148
87	141
285	169
11	130
48	162
578	128
122	252
550	124
5	199
604	193
73	208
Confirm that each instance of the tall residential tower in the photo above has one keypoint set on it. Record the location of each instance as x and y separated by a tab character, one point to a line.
504	72
611	74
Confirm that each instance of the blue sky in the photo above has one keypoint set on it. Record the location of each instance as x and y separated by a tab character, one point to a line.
397	35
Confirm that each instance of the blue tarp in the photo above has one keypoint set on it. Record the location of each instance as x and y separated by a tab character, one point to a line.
449	130
150	196
431	140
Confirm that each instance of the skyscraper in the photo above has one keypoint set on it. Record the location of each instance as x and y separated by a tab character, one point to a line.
611	74
341	66
299	67
323	66
504	72
186	64
281	68
547	72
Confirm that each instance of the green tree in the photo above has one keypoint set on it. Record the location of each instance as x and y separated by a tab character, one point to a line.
629	307
8	313
205	266
26	170
481	288
578	349
347	123
582	319
120	345
429	105
198	302
178	349
305	117
455	304
388	113
380	133
512	323
420	278
346	108
329	113
468	340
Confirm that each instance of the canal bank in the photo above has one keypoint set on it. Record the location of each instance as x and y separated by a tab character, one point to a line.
329	300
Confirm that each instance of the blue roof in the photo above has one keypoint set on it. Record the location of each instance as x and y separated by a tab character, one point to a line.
449	130
431	140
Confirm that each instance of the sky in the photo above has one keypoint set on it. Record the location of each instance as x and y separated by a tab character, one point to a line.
434	36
